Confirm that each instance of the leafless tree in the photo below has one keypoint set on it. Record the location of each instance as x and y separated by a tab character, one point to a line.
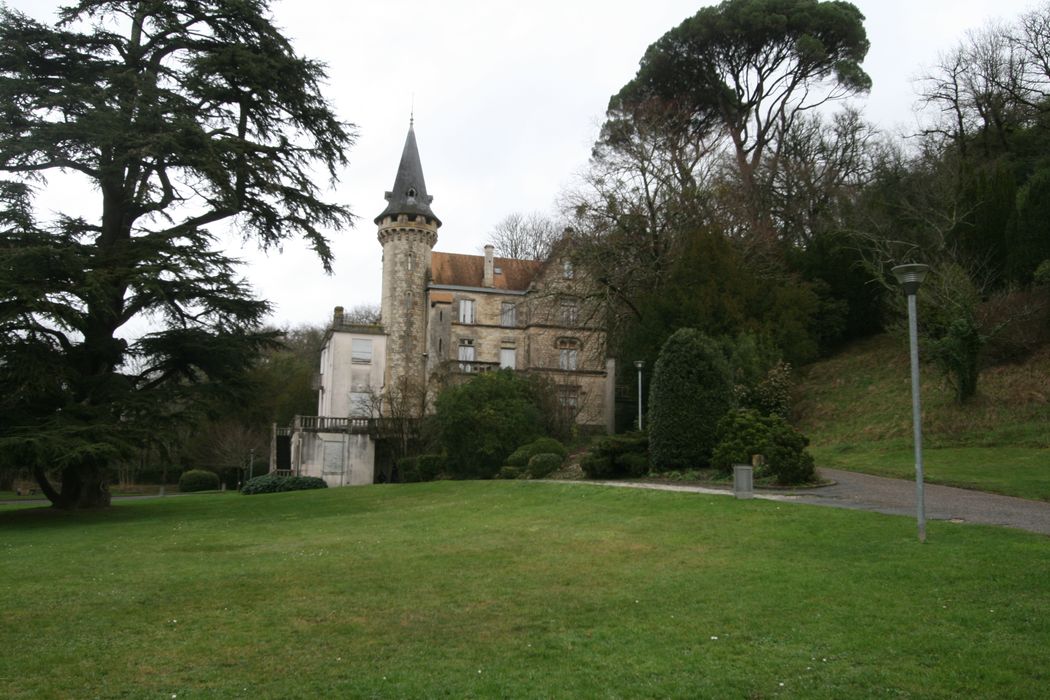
362	314
525	236
646	185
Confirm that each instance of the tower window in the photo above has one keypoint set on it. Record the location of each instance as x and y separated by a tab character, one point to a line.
411	192
566	269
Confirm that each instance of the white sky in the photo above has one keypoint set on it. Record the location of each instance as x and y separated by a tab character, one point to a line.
508	99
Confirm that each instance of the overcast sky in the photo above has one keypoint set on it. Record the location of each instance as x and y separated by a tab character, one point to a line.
508	99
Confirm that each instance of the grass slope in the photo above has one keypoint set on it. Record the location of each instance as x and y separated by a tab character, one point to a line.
856	409
514	589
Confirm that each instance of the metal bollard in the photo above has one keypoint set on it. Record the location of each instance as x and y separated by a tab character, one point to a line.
743	481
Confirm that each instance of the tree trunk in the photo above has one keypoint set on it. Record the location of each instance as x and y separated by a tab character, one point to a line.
83	486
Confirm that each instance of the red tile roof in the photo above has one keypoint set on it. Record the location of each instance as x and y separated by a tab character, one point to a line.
469	271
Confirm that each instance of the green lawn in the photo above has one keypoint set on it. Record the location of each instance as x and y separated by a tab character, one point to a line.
514	589
856	409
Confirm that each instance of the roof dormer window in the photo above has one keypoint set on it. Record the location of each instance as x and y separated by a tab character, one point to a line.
411	192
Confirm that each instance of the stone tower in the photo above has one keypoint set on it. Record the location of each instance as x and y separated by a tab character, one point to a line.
407	232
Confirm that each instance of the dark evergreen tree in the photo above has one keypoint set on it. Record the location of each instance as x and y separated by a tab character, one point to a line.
180	114
691	390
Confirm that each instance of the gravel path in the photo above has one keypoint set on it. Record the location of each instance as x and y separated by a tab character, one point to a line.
897	497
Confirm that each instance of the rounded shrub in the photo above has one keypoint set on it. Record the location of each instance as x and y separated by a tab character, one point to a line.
520	457
744	433
544	464
544	445
508	472
198	480
691	390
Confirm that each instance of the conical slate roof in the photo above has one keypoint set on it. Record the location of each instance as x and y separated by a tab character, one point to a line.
409	194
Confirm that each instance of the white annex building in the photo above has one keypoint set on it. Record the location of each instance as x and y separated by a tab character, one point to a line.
445	317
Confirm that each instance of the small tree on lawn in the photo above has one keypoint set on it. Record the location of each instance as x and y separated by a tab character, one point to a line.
691	389
177	115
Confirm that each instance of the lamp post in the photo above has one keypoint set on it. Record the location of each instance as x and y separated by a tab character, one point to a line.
910	278
639	364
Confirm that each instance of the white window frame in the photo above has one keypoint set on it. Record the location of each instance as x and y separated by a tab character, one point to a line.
508	358
467	311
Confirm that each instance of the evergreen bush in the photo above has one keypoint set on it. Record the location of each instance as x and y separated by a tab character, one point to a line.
274	483
771	396
743	433
198	480
408	470
1042	273
632	464
617	456
430	466
691	390
597	466
508	472
544	464
480	422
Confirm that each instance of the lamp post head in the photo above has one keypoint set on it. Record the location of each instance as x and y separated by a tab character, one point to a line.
910	276
639	364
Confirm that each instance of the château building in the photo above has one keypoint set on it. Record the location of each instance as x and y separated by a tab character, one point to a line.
444	318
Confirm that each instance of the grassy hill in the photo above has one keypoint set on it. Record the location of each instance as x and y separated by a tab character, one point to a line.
513	590
856	409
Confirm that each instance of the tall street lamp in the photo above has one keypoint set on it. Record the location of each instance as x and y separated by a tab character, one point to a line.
910	278
639	364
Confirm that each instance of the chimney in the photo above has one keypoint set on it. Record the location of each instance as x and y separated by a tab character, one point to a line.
487	281
337	317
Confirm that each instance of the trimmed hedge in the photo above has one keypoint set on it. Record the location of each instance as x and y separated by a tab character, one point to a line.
544	464
273	483
198	480
617	456
509	472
